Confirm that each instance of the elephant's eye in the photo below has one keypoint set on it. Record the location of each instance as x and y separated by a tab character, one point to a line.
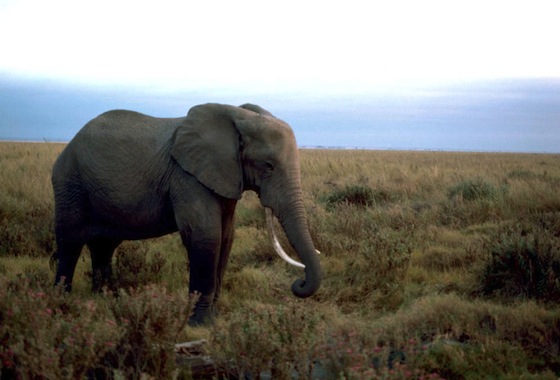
268	166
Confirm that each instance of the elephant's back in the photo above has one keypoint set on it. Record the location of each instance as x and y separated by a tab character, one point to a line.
121	132
123	125
117	141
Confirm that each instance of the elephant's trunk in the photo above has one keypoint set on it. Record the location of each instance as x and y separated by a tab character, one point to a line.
294	223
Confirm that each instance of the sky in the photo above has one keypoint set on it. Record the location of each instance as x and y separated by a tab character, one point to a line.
388	75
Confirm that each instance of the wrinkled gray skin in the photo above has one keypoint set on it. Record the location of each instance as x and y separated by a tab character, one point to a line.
128	176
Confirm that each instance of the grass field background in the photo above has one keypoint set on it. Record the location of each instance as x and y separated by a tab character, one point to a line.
435	264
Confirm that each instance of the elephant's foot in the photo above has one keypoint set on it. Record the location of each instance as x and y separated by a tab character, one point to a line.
63	281
102	280
202	317
204	313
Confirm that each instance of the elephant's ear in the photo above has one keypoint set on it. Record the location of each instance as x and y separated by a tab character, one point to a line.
207	146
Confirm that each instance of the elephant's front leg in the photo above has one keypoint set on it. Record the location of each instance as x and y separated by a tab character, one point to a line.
203	259
228	232
202	237
199	217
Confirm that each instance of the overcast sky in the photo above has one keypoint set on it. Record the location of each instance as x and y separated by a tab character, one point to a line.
289	44
412	72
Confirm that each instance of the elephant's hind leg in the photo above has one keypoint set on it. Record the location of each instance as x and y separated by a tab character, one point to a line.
71	229
66	257
101	257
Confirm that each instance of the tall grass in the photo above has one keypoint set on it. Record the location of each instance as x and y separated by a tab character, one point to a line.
435	264
26	199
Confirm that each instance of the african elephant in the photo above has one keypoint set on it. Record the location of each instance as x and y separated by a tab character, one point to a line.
128	176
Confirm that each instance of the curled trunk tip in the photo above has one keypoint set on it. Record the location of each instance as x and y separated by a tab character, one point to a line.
303	289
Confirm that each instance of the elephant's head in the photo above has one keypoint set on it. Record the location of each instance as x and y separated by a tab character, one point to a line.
232	149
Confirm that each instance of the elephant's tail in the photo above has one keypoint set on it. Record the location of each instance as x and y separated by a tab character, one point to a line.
53	260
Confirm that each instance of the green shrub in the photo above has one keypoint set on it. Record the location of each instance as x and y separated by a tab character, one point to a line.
265	338
523	175
44	334
133	270
358	195
524	262
529	175
475	189
372	275
466	338
346	354
29	234
152	320
473	201
366	259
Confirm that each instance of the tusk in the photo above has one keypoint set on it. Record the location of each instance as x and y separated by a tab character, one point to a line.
276	243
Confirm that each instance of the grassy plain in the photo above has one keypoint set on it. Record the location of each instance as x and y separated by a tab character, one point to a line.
435	264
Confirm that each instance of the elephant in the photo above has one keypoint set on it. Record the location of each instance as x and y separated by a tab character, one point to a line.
129	176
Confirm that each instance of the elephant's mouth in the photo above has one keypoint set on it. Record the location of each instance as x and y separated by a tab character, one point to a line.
276	244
